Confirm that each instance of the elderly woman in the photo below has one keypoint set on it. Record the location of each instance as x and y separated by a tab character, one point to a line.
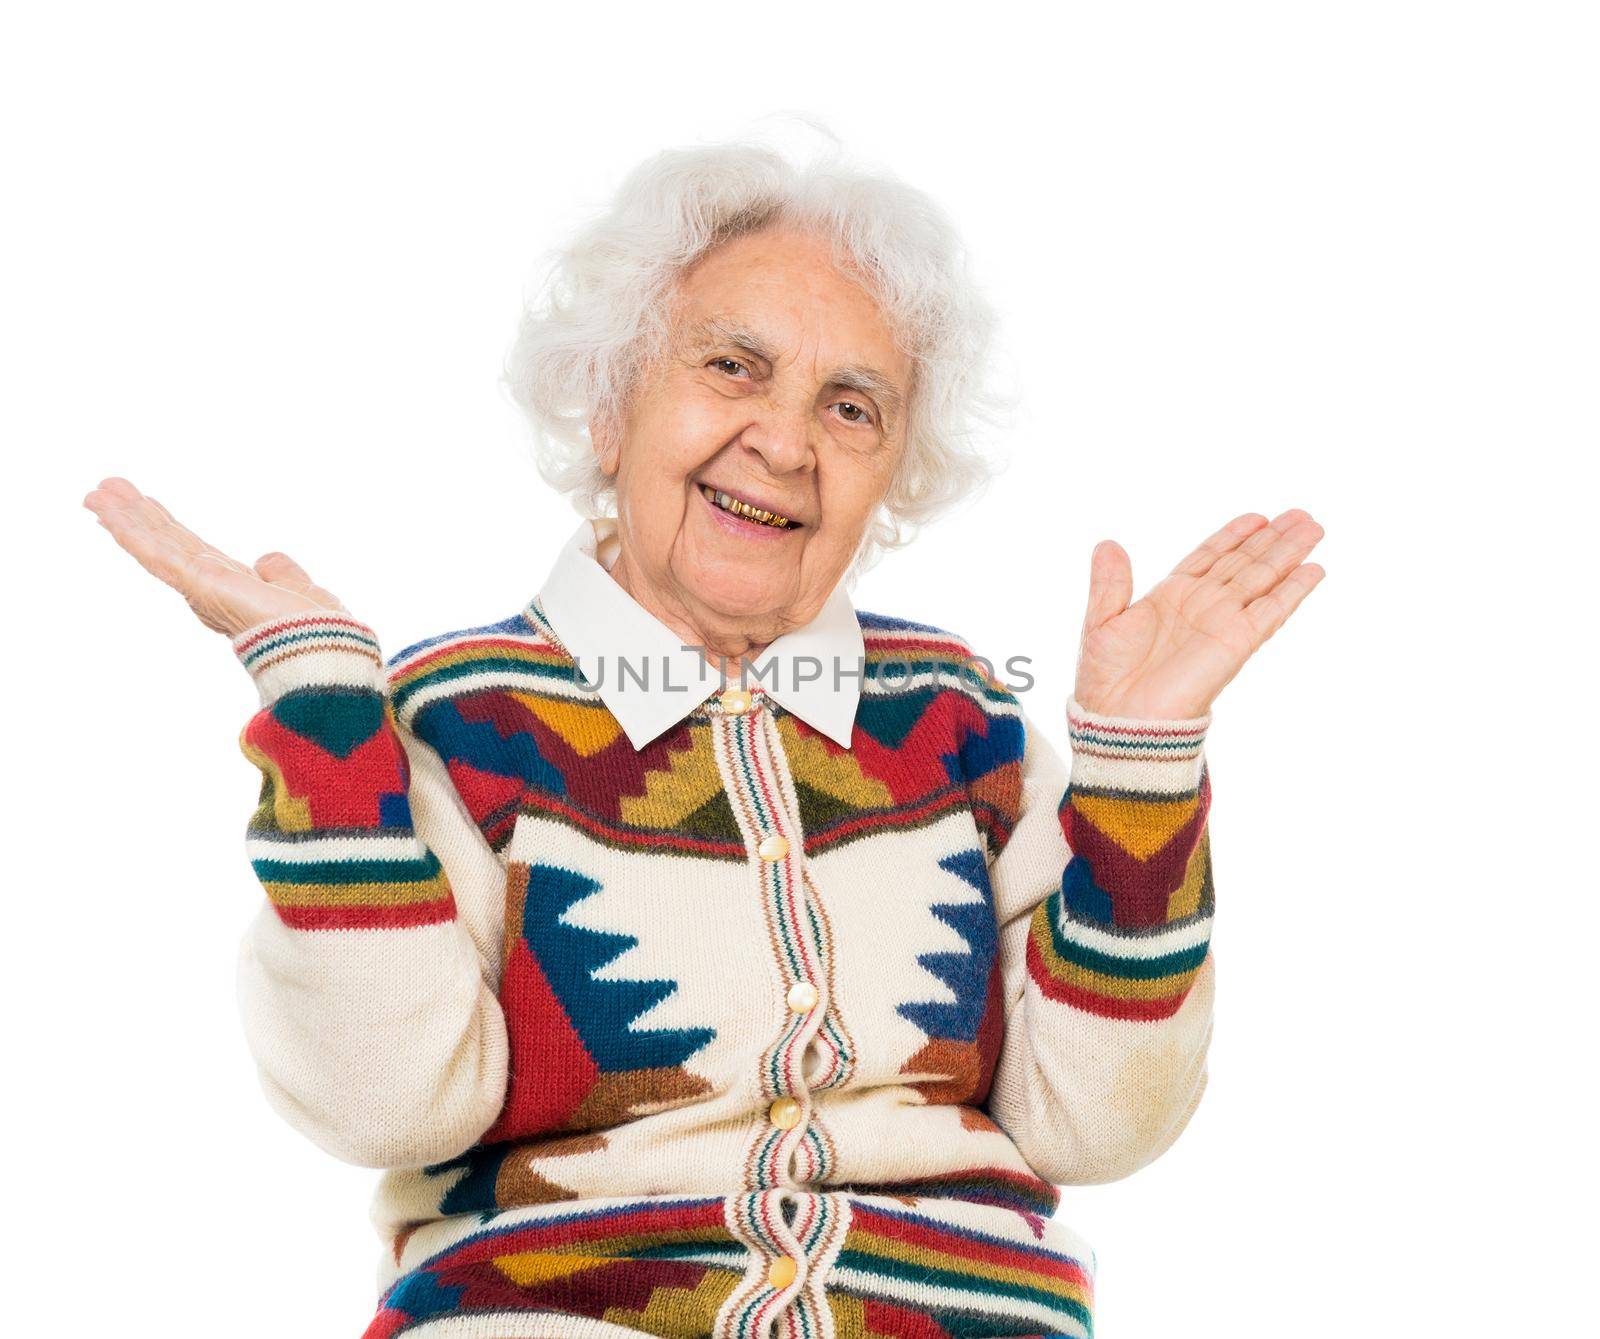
697	953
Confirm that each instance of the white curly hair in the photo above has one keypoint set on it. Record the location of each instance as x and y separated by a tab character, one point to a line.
602	313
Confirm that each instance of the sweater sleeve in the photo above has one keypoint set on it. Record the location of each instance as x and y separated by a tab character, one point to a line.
1103	890
368	1004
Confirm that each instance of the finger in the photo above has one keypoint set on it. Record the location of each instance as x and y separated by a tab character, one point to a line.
1230	564
163	520
117	492
114	486
146	529
1277	562
151	549
282	570
1110	584
121	502
161	511
1226	539
1267	613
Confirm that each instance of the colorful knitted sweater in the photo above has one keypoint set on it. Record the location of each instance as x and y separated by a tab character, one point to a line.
743	1032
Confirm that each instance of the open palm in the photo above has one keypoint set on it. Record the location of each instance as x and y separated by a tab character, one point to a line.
224	594
1169	654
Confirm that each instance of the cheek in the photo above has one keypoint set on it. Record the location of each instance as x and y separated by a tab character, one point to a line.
676	438
852	490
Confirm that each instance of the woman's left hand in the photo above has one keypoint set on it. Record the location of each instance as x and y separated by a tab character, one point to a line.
1171	653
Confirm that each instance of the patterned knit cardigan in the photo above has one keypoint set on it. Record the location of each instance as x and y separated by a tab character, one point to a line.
743	1033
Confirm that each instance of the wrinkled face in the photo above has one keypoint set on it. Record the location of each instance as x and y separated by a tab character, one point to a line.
754	454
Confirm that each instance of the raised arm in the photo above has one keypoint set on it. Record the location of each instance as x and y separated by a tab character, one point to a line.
366	982
367	1003
1104	894
1103	886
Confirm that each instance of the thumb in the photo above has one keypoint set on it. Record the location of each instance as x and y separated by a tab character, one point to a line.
1110	584
281	570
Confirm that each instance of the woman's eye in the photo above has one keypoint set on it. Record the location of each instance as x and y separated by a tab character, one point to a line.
855	414
725	363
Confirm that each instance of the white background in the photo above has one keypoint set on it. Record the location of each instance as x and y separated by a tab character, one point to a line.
265	262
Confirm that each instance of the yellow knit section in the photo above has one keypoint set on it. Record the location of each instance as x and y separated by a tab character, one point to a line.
674	792
833	773
435	889
849	1316
1185	899
586	727
1139	827
531	1267
680	1313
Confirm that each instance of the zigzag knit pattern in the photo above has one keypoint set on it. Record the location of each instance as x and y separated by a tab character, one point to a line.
676	1266
1130	925
332	841
796	1037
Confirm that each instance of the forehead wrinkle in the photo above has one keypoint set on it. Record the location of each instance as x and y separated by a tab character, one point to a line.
857	377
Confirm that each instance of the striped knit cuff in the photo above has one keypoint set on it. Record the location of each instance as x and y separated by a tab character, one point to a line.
1127	753
311	650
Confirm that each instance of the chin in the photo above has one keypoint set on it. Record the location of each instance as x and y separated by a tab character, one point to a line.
745	593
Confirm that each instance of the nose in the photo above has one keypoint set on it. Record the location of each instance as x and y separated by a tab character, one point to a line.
782	437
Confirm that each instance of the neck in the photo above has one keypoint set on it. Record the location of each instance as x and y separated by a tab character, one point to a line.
724	640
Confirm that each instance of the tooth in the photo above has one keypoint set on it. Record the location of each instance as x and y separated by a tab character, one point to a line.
758	514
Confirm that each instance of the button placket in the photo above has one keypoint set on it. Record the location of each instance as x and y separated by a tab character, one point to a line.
831	1054
806	1156
794	1238
779	1268
764	802
819	1227
791	1253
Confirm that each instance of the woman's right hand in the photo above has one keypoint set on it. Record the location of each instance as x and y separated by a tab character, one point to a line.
226	596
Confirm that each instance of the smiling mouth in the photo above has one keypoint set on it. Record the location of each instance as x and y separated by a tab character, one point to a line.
757	514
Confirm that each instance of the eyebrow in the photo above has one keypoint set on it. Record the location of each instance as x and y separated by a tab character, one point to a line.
852	376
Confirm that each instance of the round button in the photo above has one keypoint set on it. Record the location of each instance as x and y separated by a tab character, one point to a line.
774	847
802	997
736	701
784	1113
781	1272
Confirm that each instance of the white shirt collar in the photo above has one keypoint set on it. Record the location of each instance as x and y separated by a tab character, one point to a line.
604	628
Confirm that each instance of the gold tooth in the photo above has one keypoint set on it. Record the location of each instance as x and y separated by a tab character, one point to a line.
754	513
